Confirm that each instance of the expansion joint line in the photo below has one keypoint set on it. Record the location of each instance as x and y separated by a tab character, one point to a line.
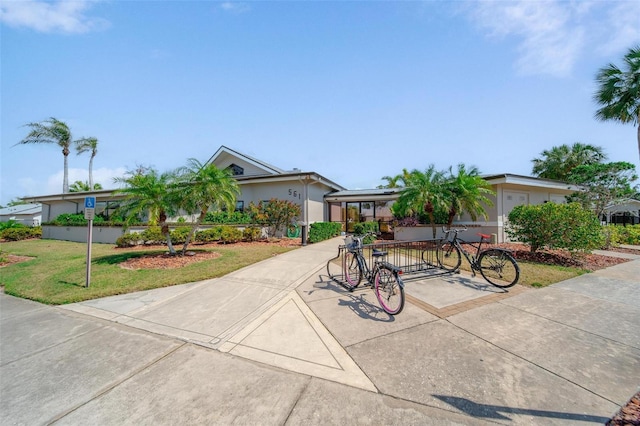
530	362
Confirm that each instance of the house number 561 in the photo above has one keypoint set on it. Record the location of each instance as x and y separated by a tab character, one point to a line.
294	193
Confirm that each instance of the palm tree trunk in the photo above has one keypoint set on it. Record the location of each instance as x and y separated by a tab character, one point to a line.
65	179
201	217
164	228
91	173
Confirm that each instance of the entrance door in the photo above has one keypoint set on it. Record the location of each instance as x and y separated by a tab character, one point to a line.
353	215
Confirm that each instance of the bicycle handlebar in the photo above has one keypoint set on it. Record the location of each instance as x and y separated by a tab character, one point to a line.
456	230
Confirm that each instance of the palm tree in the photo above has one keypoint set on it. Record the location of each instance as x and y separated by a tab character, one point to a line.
52	131
150	194
88	145
619	91
466	191
397	181
204	186
423	193
79	186
558	162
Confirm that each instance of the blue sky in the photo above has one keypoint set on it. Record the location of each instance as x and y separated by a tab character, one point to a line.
351	90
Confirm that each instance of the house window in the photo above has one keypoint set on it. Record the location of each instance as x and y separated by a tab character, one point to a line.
239	206
236	170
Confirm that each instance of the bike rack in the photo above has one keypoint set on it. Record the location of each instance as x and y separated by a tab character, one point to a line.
416	259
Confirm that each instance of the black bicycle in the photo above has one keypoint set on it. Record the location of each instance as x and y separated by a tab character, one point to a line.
496	265
383	276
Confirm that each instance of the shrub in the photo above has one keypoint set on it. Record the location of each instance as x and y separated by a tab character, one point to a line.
615	235
76	219
252	233
230	234
209	235
179	235
10	224
320	231
364	227
129	240
21	233
153	235
227	217
567	226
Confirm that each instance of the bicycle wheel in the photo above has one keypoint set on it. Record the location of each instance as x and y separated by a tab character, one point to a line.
351	269
448	255
499	268
389	291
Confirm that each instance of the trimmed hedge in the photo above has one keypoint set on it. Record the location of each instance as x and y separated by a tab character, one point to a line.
320	231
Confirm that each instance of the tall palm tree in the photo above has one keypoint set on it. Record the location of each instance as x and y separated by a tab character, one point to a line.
150	194
423	193
558	162
88	145
202	187
619	91
52	131
466	191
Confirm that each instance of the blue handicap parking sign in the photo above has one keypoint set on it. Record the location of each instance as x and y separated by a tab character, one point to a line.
89	202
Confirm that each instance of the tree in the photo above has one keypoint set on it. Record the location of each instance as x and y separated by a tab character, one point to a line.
466	191
603	184
88	145
151	194
202	187
558	162
423	193
277	214
52	131
79	186
619	91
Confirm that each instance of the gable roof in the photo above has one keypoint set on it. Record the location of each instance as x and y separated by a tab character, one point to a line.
223	153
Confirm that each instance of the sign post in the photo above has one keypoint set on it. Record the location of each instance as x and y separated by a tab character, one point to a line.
89	213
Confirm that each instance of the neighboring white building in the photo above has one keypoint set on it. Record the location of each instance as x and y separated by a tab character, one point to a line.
626	213
26	214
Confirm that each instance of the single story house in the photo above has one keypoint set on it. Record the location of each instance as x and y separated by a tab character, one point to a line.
324	200
26	214
511	190
625	213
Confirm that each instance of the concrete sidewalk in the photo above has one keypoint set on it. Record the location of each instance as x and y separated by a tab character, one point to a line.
280	343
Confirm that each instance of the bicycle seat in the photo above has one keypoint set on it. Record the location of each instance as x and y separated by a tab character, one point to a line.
378	253
485	236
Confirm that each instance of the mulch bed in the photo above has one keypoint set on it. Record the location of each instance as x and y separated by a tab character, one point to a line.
590	262
629	414
197	253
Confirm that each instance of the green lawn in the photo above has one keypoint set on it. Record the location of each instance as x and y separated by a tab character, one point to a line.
56	274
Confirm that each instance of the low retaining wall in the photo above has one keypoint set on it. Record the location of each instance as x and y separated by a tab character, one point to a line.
102	234
79	234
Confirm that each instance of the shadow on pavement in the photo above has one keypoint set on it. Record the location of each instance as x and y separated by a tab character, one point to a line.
495	411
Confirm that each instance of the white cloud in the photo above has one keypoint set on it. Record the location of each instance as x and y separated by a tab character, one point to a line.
67	16
622	28
554	34
103	176
235	7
